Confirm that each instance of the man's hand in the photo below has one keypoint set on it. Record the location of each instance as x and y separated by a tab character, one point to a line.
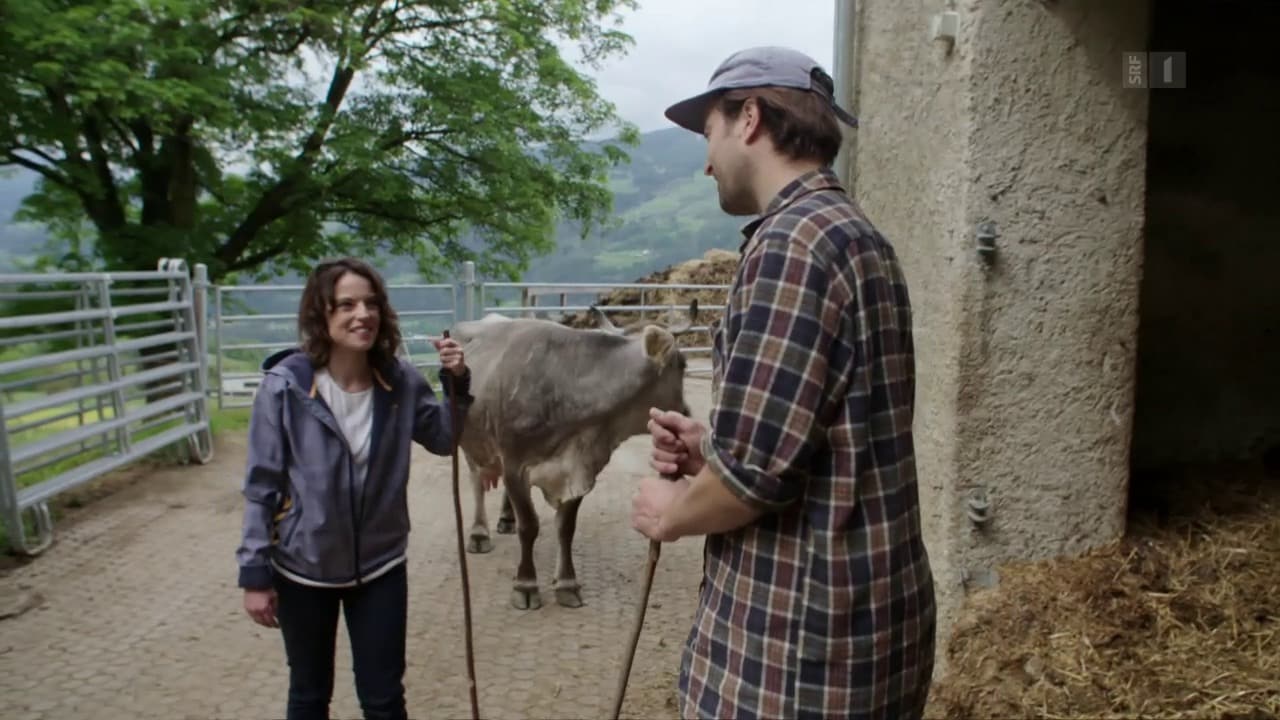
677	443
261	606
451	355
652	500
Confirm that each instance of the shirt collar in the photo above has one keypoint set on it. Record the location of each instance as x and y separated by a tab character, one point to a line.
824	178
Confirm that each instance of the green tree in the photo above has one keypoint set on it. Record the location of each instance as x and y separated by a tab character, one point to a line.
259	135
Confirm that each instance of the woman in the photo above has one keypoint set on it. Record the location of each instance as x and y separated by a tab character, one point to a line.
326	516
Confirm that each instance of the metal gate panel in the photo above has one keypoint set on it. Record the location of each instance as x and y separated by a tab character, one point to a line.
97	370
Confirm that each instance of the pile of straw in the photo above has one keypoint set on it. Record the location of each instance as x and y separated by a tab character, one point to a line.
716	267
1179	620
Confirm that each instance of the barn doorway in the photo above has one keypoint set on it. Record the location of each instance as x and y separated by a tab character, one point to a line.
1207	416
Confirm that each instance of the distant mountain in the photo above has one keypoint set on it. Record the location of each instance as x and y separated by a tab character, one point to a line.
14	185
16	241
665	211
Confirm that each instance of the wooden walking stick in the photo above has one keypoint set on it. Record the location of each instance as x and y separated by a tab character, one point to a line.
462	549
620	692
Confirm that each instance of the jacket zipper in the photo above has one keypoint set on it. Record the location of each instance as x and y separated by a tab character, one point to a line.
355	517
351	491
373	453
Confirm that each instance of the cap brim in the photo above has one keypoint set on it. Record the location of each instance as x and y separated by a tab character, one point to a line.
844	116
691	114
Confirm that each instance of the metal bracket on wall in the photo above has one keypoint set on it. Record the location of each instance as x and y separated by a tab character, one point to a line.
986	235
981	578
978	507
945	27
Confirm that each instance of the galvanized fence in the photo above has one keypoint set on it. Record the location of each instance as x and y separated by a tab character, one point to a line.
97	370
530	299
250	322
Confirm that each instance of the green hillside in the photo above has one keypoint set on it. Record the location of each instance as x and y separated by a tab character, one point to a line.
665	212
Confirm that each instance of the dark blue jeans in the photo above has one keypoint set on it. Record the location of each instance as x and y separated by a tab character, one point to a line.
376	615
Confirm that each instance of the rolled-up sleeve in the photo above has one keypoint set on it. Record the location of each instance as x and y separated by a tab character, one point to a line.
765	418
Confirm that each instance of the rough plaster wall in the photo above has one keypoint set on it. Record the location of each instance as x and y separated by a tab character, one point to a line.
1209	342
1057	161
1025	366
911	99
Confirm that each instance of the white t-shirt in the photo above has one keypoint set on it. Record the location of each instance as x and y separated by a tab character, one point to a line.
354	412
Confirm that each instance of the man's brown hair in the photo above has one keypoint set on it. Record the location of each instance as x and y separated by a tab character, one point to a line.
318	301
802	124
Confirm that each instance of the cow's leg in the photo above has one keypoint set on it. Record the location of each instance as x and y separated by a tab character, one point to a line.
506	518
479	541
568	591
524	595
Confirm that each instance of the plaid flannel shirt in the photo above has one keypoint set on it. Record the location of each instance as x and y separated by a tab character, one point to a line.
824	607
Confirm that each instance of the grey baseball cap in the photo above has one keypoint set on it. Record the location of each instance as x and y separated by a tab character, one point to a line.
767	66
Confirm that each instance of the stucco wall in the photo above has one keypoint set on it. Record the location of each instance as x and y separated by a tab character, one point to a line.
1209	343
909	157
1057	160
1025	364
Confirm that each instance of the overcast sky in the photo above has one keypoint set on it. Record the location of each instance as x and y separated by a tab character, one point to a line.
678	43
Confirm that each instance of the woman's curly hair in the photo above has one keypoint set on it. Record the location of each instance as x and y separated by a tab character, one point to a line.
318	302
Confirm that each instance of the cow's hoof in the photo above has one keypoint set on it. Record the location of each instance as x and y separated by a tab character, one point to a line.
506	527
479	544
569	597
526	599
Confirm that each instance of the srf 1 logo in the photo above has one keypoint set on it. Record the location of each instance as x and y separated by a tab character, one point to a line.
1155	70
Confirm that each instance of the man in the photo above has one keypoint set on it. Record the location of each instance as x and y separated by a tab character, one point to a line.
817	598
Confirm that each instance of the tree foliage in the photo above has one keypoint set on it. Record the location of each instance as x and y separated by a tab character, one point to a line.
259	135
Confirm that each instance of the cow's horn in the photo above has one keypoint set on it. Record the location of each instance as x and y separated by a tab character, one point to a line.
603	321
687	325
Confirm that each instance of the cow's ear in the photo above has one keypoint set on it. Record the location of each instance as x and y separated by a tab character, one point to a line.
658	344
